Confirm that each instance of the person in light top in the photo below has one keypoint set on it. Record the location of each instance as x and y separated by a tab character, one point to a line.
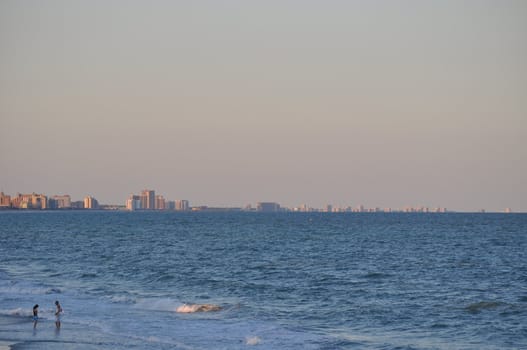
58	313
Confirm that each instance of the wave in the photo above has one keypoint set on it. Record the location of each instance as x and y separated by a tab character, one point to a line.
375	275
20	312
191	308
121	299
170	305
54	291
88	275
16	289
482	305
27	312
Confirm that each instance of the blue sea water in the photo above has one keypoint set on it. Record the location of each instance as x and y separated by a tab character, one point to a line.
283	281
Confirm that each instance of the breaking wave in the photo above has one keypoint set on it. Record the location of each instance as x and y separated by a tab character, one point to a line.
170	305
190	308
17	312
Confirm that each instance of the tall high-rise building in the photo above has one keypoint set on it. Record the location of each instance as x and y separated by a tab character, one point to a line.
148	199
90	203
160	202
133	202
182	205
144	199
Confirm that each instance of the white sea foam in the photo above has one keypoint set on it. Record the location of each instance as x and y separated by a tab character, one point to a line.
254	340
160	304
27	312
17	312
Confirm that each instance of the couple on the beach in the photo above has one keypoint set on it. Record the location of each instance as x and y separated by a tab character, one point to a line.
58	314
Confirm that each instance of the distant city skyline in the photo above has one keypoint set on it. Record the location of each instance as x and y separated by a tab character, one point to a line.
145	199
381	103
149	200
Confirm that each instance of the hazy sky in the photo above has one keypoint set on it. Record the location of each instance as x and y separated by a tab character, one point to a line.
380	103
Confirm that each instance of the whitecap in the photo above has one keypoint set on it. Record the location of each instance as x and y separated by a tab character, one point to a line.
170	305
191	308
253	340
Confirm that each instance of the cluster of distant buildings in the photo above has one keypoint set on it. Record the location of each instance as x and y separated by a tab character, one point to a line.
304	208
40	201
148	200
361	209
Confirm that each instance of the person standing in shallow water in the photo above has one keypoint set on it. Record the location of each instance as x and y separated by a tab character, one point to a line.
58	313
35	315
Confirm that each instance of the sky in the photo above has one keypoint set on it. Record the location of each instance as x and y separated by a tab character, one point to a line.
228	103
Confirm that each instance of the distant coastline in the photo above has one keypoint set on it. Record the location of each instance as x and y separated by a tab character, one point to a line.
197	210
147	200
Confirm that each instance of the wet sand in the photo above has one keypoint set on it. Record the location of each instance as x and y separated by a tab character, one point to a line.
4	345
19	333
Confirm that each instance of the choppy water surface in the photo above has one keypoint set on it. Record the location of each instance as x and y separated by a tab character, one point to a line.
282	281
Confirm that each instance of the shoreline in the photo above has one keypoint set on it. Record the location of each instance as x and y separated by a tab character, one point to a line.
18	332
6	345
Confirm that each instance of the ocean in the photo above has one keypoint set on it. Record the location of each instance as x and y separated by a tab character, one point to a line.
241	280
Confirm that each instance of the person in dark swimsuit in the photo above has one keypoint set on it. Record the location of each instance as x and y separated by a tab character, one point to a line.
35	315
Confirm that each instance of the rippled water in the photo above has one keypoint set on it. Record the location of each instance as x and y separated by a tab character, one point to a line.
283	281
